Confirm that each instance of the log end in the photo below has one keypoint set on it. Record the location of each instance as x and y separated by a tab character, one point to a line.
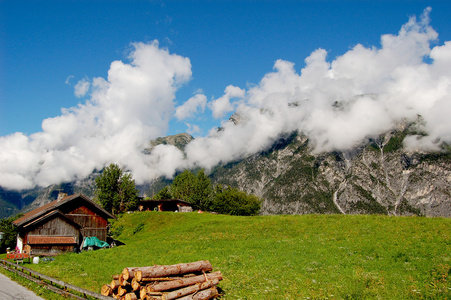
131	296
125	274
106	290
139	275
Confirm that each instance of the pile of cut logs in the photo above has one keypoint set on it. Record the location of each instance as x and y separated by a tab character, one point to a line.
188	281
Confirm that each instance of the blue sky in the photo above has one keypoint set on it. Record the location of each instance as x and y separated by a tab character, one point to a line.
88	83
44	43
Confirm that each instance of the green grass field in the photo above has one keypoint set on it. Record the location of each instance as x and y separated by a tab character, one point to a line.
281	257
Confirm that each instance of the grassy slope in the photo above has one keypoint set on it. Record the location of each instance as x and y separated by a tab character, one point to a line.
283	257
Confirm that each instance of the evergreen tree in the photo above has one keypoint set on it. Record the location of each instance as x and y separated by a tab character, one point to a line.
183	186
165	193
202	191
195	189
115	190
9	233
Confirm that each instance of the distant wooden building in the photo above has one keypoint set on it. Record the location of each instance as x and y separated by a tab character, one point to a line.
61	225
165	205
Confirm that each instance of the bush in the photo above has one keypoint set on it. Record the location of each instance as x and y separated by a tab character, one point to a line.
235	202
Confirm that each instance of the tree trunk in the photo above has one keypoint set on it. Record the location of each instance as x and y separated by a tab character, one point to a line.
131	296
190	289
142	293
166	270
150	279
121	291
150	297
169	285
106	290
202	295
123	281
116	296
129	273
135	284
114	284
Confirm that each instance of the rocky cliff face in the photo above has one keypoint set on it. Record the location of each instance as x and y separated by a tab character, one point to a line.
179	140
377	178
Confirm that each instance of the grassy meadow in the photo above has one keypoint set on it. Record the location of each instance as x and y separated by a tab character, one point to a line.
280	257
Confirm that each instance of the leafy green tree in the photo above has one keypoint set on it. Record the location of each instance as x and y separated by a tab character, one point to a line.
183	186
9	233
202	191
165	193
234	202
115	190
195	189
198	190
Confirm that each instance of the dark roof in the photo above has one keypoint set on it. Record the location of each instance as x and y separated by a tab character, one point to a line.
47	239
41	211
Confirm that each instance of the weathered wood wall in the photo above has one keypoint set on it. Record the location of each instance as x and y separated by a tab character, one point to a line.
91	223
54	227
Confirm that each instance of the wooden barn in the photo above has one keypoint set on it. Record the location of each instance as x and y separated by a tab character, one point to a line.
165	205
61	225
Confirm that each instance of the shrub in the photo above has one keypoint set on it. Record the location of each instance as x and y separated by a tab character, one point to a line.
235	202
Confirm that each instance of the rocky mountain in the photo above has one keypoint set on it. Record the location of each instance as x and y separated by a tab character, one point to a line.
377	178
179	140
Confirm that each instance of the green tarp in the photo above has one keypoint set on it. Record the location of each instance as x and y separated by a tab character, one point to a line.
92	241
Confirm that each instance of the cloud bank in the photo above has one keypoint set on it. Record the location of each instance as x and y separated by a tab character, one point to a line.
133	105
338	104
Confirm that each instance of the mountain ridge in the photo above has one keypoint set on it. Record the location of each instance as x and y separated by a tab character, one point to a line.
377	177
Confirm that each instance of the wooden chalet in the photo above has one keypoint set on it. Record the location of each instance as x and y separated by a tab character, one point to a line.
165	205
61	225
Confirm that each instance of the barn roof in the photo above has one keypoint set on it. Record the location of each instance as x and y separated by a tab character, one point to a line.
47	239
43	210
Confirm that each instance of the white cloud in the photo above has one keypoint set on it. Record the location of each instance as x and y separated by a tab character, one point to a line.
194	105
223	105
342	103
338	104
193	129
82	88
68	79
133	105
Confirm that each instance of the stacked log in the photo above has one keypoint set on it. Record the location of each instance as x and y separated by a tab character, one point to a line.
187	281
